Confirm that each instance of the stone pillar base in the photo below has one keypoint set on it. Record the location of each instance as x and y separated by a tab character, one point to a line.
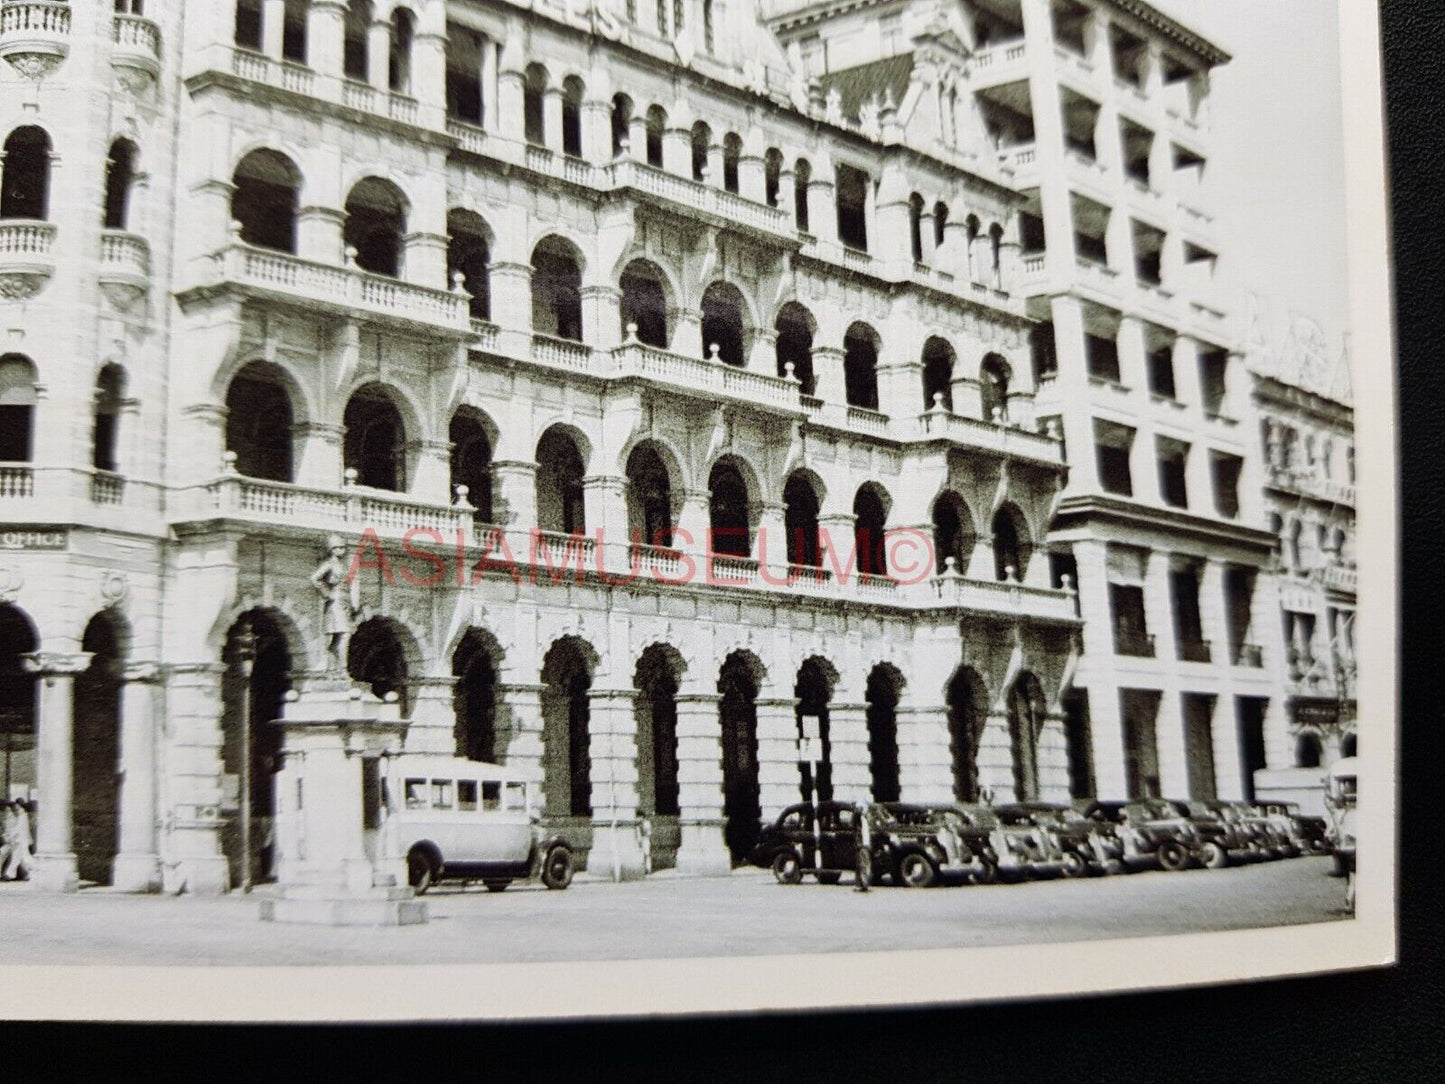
628	862
703	852
54	872
136	873
210	876
321	905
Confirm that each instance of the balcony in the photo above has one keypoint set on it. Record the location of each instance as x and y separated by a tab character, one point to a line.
1310	483
1007	440
1097	274
344	291
724	207
998	64
710	380
380	103
562	167
282	74
34	36
31	493
469	137
1194	650
137	46
125	267
1139	645
562	353
1032	271
26	260
1336	577
1002	597
868	422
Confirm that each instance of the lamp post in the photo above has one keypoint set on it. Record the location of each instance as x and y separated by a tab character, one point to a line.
246	655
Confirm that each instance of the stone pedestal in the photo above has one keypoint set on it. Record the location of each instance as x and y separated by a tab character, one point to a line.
332	867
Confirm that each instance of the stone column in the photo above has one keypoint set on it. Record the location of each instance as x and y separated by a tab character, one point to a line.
318	459
602	316
326	37
995	757
762	355
702	849
1172	745
751	182
829	383
511	289
519	725
687	333
319	233
596	130
1159	606
925	762
552	119
779	783
429	74
848	752
714	177
605	506
433	471
1053	760
612	743
1073	386
137	862
378	56
822	214
273	27
192	858
694	519
432	720
1132	364
771	545
489	84
787	186
509	121
637	138
54	866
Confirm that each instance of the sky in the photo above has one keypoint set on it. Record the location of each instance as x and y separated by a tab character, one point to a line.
1278	189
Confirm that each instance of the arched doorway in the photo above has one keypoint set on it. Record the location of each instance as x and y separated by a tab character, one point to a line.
655	716
561	503
649	497
17	703
376	657
1026	722
723	324
95	798
644	303
260	699
258	424
557	289
375	227
814	690
737	686
265	199
375	442
567	761
952	533
967	701
729	516
800	520
885	684
471	462
474	698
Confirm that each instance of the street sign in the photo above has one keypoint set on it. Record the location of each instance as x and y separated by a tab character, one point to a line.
812	727
810	750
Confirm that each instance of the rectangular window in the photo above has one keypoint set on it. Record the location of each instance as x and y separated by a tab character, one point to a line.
415	793
1131	634
1212	369
1199	745
1139	707
441	794
467	795
491	794
852	198
1188	626
1103	357
1161	372
1249	715
516	795
1113	444
1226	470
1173	460
1238	601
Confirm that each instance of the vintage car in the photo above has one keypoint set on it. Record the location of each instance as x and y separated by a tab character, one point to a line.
905	843
1340	783
1023	846
1077	836
1226	832
1145	831
970	847
463	820
1308	833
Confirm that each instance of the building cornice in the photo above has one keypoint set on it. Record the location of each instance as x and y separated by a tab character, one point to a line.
1076	510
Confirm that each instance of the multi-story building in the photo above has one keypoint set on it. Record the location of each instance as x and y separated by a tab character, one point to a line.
1306	432
1100	112
620	289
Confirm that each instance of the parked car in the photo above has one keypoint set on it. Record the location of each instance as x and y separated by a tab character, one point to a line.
1146	831
1309	833
1225	833
968	848
1023	846
463	820
906	843
1077	836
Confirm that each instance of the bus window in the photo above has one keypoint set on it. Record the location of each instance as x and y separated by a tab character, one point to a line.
467	795
491	794
516	796
416	793
441	793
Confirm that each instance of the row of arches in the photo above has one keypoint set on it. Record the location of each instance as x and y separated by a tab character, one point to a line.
251	31
20	392
928	232
260	431
28	155
381	657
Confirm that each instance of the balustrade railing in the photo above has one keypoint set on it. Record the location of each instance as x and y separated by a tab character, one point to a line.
26	240
137	34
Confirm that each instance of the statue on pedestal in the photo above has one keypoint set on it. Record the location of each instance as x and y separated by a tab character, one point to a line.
341	593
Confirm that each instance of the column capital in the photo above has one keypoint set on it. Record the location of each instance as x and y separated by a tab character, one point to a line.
50	664
701	699
148	673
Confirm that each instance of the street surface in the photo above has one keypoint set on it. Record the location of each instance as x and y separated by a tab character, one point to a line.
747	914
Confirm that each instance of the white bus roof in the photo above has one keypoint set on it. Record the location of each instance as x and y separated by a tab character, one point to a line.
437	765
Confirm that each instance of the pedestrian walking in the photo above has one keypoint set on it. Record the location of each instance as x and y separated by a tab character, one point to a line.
15	842
863	841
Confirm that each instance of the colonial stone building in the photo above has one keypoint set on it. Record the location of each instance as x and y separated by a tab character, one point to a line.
677	377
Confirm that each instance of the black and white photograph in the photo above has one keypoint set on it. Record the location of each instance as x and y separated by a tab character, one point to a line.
689	506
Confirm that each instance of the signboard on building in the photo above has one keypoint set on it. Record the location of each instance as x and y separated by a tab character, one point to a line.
35	538
1316	711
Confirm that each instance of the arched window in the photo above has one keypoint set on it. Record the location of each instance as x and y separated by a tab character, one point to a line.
534	86
937	374
656	126
729	514
995	250
375	657
952	533
1350	746
25	183
1026	720
649	503
967	699
772	176
572	93
1308	752
915	226
356	43
17	408
709	34
566	713
471	464
869	528
1011	547
376	226
293	31
119	179
860	366
398	68
655	718
993	380
258	424
109	394
464	51
556	289
474	699
940	223
644	303
732	154
795	344
814	692
800	521
469	253
561	507
802	176
972	228
621	123
266	187
375	443
701	143
885	685
722	324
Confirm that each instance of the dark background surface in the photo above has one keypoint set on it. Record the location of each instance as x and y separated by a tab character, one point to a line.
1385	1025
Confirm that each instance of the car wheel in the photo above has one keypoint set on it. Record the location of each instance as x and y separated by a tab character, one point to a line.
1074	864
421	871
1213	856
985	873
916	871
557	867
497	886
1173	856
1339	864
829	877
786	868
